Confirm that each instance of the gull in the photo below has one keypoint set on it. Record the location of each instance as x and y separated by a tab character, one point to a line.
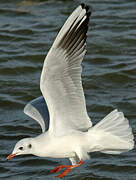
67	130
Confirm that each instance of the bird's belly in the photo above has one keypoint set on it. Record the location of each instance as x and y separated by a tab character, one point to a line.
61	151
62	147
59	148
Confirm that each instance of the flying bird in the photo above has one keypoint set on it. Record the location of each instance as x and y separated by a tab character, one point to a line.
67	130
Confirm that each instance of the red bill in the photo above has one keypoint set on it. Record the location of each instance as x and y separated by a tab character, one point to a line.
10	156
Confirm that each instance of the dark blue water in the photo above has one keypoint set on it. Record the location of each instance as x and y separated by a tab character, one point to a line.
27	30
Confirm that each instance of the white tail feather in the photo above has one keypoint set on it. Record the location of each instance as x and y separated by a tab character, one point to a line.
113	134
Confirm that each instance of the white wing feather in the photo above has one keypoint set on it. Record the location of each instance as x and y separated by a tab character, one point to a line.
60	82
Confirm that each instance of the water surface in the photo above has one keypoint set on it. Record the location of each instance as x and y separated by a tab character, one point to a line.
27	30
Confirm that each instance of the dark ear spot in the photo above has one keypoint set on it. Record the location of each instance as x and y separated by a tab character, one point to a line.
21	148
29	146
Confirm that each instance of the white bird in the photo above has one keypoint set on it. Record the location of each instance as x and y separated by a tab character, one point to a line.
70	133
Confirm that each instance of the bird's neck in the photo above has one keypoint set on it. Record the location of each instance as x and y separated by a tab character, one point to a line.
41	145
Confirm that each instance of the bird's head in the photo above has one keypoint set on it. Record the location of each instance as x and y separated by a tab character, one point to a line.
24	146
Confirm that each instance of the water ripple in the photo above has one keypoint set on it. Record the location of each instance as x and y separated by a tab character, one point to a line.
27	30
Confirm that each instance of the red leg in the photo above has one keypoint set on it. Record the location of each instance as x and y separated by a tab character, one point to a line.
58	168
68	169
64	173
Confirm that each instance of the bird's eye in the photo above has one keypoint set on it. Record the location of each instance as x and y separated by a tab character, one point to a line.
21	148
29	145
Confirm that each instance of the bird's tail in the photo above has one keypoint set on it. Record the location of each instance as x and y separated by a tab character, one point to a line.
112	135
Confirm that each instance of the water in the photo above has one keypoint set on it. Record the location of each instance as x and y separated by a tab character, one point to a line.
27	30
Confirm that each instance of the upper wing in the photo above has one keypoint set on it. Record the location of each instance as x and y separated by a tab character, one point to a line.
37	109
60	82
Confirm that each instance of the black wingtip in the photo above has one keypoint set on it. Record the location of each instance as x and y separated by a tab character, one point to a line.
89	14
85	6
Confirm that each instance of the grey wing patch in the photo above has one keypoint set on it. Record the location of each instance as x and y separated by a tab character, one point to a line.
37	109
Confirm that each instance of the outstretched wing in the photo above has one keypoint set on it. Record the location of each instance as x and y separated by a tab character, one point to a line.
60	82
37	109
